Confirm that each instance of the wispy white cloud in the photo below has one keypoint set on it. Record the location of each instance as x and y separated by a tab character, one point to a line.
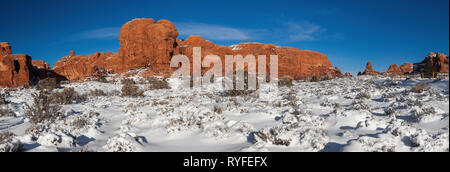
95	34
304	31
212	32
102	33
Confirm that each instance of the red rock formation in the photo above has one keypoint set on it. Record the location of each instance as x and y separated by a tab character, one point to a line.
394	70
406	68
369	70
292	63
41	64
146	44
5	48
15	69
438	61
75	68
347	74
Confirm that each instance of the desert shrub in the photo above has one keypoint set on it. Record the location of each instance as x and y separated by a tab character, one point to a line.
102	79
67	96
3	100
315	79
389	111
5	137
97	93
362	95
128	81
272	135
80	122
42	110
359	105
217	110
129	89
8	143
419	113
388	95
419	88
157	84
235	93
5	111
412	103
326	78
285	83
48	84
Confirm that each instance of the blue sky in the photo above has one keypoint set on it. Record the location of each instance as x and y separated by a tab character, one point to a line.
349	32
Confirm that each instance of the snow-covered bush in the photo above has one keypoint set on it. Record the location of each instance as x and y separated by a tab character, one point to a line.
3	100
412	103
97	93
8	142
158	84
129	89
67	96
276	136
195	120
389	111
360	105
423	114
419	88
5	111
120	144
285	82
42	110
363	95
53	139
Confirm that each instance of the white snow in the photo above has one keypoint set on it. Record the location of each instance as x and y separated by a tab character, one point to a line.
310	116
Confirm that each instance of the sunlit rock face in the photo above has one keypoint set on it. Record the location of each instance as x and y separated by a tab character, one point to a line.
148	44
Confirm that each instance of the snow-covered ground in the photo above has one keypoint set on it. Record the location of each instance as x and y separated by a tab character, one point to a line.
347	114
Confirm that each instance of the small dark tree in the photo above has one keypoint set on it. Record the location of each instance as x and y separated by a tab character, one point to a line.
429	71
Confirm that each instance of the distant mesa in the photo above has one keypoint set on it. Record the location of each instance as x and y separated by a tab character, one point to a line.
434	63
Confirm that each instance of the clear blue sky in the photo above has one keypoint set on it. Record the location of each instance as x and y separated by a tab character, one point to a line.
350	32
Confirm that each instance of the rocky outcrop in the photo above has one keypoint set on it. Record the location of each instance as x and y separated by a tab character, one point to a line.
433	64
394	70
75	68
15	69
5	48
150	45
18	70
146	44
438	62
40	64
406	68
369	69
348	74
292	63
